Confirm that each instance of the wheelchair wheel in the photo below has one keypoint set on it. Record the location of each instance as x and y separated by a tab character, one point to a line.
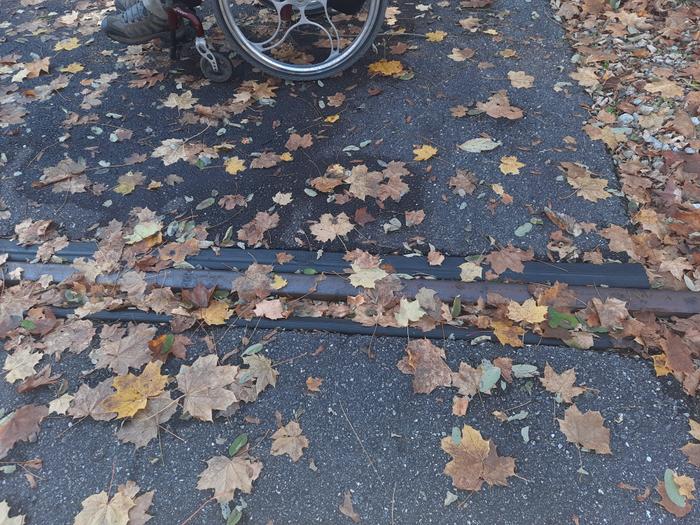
299	39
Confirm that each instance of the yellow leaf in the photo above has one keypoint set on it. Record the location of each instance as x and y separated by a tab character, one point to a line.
510	165
67	44
332	119
508	334
470	272
508	53
491	32
216	313
528	312
660	365
75	67
435	36
424	152
387	68
365	277
133	391
409	311
686	485
234	165
278	282
286	157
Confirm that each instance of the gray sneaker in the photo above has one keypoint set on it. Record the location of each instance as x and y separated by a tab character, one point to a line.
123	5
136	25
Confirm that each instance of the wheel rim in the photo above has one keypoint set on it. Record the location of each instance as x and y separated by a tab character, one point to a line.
305	45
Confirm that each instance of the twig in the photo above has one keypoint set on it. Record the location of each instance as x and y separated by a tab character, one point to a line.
199	509
393	504
369	458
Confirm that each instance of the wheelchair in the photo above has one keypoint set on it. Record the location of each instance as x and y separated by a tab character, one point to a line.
296	40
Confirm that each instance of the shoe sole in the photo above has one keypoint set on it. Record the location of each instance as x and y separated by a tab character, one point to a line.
165	35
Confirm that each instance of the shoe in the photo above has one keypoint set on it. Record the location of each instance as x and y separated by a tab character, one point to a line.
136	25
123	5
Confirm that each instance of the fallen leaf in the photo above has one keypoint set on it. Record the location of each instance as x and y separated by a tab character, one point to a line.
346	508
227	475
435	36
585	429
234	165
424	152
387	68
426	363
528	312
289	440
20	425
479	145
520	79
203	385
67	44
5	515
498	106
99	509
470	272
329	227
563	385
132	392
510	165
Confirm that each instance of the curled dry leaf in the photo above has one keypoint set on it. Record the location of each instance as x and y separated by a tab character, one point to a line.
20	425
426	363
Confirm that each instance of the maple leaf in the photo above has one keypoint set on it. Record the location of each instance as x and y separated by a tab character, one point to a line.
234	165
585	429
669	505
424	152
283	199
561	384
260	369
470	272
587	186
253	232
313	384
41	378
225	476
127	183
435	36
329	227
426	363
254	284
386	68
20	425
510	165
409	311
143	427
460	55
475	460
5	515
509	258
204	387
271	309
66	176
20	364
528	312
586	77
88	402
120	350
132	392
498	106
181	101
520	79
612	313
67	44
463	183
268	159
138	514
508	334
297	141
289	440
100	509
75	67
366	277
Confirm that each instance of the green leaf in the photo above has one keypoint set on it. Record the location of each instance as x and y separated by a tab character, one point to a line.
205	203
167	343
28	324
456	306
489	377
309	271
561	319
523	229
252	349
456	435
237	444
672	489
234	517
523	371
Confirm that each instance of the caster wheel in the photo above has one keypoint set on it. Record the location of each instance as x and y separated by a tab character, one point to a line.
225	68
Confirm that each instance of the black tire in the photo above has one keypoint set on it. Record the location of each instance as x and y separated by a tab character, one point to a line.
225	68
341	66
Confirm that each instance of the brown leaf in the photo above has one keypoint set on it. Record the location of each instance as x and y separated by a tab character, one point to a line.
289	440
255	284
346	508
253	232
475	460
561	384
667	504
425	362
41	378
297	141
120	350
199	296
132	391
21	425
509	258
227	475
259	369
143	427
100	509
204	387
88	402
586	430
313	384
498	106
329	227
692	452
